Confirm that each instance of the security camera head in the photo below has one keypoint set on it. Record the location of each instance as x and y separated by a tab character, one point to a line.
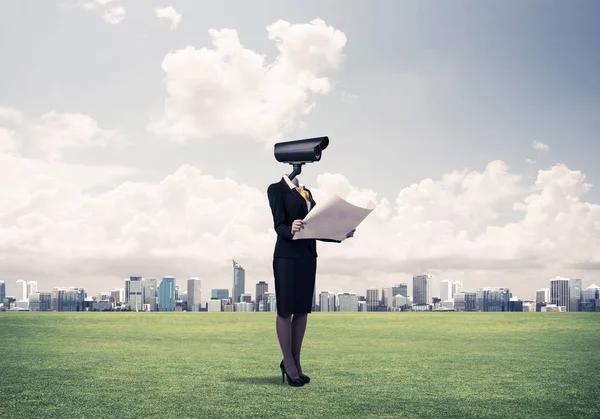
301	151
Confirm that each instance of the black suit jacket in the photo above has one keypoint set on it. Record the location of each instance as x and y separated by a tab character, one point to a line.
288	205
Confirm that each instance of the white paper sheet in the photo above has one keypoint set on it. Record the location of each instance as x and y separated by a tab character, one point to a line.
333	219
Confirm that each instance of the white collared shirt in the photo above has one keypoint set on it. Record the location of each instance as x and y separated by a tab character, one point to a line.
292	186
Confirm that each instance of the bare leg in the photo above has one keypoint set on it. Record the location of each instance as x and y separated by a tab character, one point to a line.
284	334
298	329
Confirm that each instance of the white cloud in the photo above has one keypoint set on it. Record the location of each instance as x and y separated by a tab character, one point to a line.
538	145
230	89
8	145
53	132
191	222
530	161
170	14
10	115
113	14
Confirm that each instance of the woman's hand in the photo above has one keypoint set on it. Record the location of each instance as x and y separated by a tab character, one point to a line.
351	234
297	226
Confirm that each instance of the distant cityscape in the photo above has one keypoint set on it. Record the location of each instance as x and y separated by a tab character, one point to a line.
147	295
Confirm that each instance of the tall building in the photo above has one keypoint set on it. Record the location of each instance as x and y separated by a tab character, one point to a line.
542	296
149	289
136	301
118	296
446	290
590	298
21	294
559	291
347	301
32	286
387	295
493	299
219	294
194	294
261	288
239	281
67	299
327	301
166	294
422	289
465	301
575	287
401	289
126	290
2	291
40	301
372	299
456	287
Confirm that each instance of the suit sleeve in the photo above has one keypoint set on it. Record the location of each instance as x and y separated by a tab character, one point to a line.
282	228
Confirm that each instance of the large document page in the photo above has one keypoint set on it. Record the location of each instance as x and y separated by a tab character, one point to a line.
333	219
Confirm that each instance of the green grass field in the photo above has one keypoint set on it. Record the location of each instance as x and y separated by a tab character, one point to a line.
379	365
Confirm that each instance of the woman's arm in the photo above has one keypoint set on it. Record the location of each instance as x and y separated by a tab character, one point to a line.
282	228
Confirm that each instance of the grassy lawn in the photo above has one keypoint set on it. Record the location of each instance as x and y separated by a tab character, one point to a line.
379	365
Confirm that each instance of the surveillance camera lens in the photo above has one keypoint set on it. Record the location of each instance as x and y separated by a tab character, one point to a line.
318	152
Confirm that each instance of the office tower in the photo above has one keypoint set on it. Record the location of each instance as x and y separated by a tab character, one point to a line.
239	281
575	287
40	301
126	290
245	298
559	291
387	294
348	301
194	294
271	302
446	290
465	301
372	299
149	289
21	294
456	288
166	294
135	293
67	299
400	301
542	296
177	296
219	294
327	301
493	299
401	289
117	296
590	298
214	305
32	286
422	289
261	288
2	291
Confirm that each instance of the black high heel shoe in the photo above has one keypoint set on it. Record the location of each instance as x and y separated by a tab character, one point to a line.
294	382
305	378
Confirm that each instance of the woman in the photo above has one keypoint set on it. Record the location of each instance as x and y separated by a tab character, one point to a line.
294	269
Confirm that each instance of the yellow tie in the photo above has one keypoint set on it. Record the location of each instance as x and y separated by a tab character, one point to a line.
304	193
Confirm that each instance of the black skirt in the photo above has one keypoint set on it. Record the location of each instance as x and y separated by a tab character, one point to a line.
294	284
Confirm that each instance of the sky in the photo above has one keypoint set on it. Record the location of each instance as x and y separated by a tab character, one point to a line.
136	139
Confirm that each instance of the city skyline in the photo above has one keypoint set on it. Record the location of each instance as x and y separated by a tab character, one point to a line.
137	143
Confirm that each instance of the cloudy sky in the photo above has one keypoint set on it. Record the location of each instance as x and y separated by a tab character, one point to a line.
136	138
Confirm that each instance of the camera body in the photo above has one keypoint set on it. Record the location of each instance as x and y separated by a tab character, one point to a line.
301	151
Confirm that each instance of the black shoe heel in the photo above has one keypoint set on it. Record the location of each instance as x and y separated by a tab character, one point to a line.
294	382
